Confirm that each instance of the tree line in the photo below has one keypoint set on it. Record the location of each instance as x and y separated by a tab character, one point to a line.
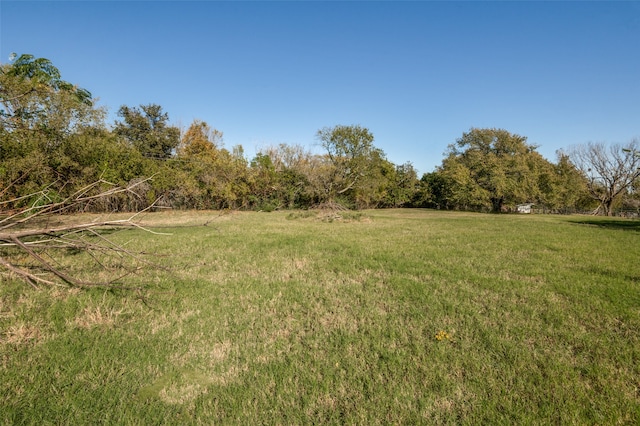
54	140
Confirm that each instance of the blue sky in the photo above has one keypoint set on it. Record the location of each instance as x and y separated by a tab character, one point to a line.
417	74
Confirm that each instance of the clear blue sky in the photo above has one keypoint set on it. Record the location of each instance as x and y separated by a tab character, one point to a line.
417	74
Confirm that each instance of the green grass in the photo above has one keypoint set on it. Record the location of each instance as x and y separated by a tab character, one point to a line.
381	317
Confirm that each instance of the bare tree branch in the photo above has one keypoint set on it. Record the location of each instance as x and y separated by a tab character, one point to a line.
610	171
28	231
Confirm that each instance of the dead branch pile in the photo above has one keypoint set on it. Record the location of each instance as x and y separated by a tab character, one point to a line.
330	211
36	240
331	206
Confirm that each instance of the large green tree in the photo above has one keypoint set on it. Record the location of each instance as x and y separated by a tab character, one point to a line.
406	185
206	175
41	116
288	169
34	97
562	188
351	154
383	184
147	129
492	168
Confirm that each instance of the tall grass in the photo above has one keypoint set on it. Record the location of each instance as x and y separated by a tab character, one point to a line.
387	317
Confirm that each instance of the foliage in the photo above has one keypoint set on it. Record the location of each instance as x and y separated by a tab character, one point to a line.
498	165
53	137
205	174
41	115
494	170
34	97
404	186
563	189
200	140
147	129
352	157
293	170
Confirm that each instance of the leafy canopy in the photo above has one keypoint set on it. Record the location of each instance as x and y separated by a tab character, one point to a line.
147	129
351	152
491	168
33	96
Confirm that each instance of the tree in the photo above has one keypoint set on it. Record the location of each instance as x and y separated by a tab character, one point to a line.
610	171
376	188
632	151
457	187
33	96
491	168
289	180
405	185
286	156
147	129
433	191
350	152
206	175
41	115
38	109
265	186
200	139
562	187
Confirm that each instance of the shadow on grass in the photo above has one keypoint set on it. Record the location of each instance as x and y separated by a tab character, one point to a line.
609	273
624	224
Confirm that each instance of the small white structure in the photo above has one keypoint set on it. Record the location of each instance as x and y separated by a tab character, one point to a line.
524	208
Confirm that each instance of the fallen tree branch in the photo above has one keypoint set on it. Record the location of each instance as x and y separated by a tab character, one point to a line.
25	234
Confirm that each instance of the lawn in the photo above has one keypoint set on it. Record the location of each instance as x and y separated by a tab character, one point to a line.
378	317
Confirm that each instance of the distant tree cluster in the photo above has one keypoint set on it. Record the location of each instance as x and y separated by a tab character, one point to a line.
54	140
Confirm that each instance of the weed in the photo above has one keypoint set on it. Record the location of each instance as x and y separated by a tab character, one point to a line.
442	335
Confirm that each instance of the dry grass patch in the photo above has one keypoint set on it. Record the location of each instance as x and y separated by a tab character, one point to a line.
445	408
162	218
20	327
181	393
202	353
174	320
97	316
180	218
20	334
62	292
186	384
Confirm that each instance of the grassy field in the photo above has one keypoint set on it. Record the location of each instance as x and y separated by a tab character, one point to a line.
381	317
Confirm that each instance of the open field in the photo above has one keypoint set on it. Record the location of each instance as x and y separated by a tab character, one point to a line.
384	317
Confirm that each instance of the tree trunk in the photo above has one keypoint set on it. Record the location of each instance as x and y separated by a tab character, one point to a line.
496	204
607	205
